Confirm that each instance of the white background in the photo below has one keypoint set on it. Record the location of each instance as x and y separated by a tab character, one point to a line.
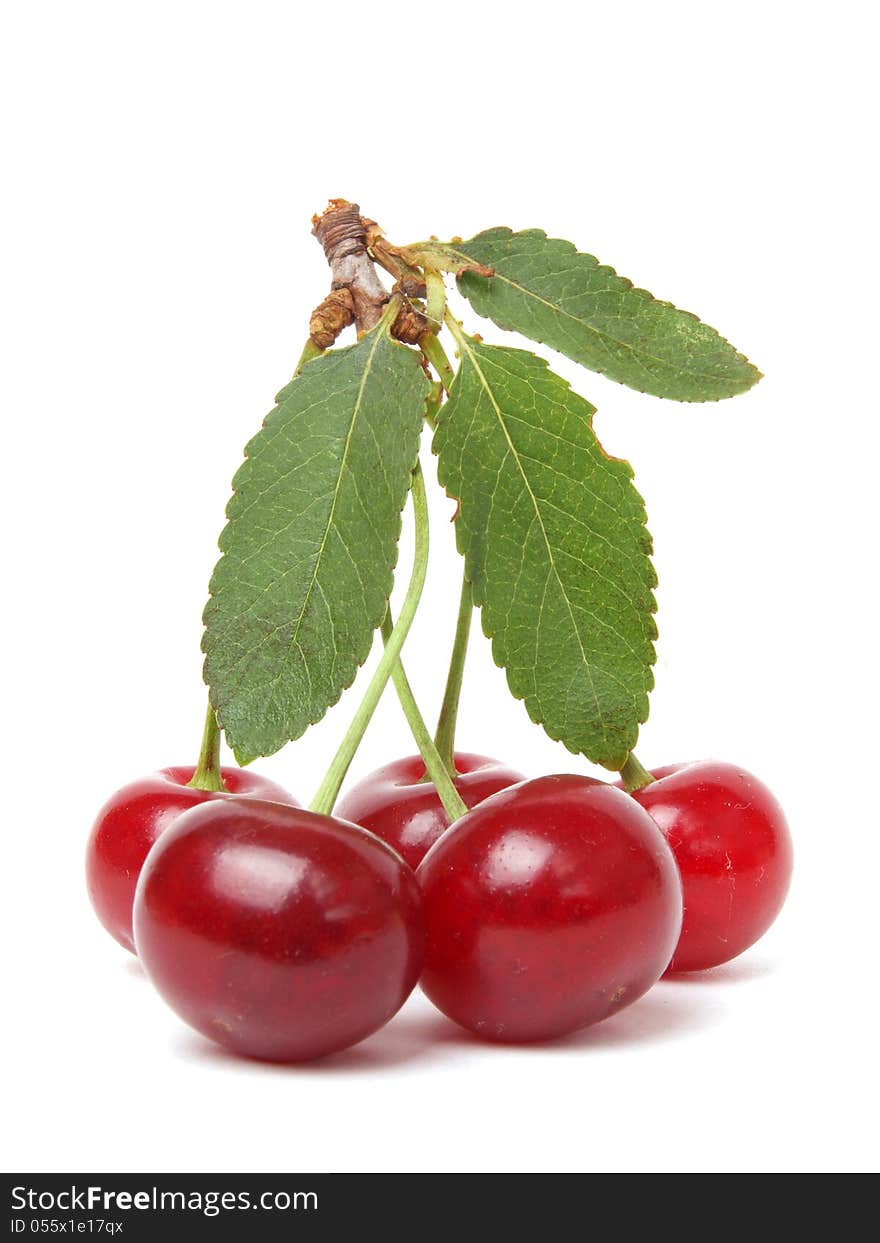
162	162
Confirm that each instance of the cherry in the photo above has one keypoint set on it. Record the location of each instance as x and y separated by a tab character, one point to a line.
130	822
733	848
279	933
397	805
549	907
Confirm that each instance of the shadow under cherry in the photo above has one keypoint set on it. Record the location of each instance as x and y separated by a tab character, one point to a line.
662	1014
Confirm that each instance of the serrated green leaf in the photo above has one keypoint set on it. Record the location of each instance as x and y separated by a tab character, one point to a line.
543	288
311	542
555	545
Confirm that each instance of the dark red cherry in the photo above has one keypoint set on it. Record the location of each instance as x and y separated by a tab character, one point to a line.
279	933
130	822
397	805
733	848
549	907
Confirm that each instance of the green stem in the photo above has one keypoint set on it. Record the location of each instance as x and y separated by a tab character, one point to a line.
436	356
435	768
456	327
436	300
433	403
635	777
445	736
328	790
208	775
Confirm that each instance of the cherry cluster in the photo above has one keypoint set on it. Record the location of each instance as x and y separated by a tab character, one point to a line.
286	935
527	909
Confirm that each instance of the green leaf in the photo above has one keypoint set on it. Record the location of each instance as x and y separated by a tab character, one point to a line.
543	288
311	542
554	539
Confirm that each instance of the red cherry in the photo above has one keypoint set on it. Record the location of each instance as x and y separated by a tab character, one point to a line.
733	848
548	907
397	805
128	825
279	933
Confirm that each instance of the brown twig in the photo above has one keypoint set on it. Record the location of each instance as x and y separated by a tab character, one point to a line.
410	280
341	232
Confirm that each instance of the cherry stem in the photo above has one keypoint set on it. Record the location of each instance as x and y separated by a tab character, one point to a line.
434	352
435	306
445	735
207	775
433	402
328	791
436	356
634	776
435	768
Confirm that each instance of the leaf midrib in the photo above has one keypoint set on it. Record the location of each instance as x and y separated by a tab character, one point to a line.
605	337
464	344
294	640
